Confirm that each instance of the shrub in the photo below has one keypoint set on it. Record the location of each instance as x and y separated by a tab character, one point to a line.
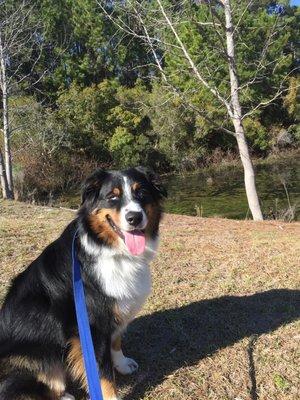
45	161
42	177
256	134
128	149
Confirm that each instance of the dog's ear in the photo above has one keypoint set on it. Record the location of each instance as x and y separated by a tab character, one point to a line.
154	180
92	185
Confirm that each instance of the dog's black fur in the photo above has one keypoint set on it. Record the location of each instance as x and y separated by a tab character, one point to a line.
37	320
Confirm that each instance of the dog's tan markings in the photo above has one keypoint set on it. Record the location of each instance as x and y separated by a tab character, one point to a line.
100	225
54	378
76	368
153	212
75	362
135	186
108	389
116	343
24	363
118	318
116	191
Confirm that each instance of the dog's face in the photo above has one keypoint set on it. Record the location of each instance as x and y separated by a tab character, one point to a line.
123	207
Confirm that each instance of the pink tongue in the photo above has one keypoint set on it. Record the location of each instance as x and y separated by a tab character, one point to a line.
135	242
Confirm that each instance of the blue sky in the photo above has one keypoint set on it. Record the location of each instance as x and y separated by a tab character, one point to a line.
295	2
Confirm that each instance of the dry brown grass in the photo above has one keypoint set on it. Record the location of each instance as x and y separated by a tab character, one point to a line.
222	320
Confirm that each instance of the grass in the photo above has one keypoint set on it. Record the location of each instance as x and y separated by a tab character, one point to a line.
221	322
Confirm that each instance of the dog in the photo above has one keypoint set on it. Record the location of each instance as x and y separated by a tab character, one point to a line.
118	231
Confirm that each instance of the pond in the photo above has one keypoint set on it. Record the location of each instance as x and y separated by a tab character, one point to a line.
221	193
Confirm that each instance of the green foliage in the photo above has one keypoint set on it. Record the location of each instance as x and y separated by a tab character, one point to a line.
257	134
102	99
173	126
35	126
85	111
294	130
292	99
85	47
46	162
102	118
280	382
261	67
123	148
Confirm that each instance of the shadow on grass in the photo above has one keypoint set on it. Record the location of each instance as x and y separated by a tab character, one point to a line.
168	340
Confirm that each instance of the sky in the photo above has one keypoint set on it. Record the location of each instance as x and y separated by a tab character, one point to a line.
295	2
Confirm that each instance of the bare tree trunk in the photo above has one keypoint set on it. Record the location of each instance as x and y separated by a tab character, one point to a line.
3	180
6	133
249	174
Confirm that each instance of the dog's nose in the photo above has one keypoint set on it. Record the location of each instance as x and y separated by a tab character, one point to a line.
134	218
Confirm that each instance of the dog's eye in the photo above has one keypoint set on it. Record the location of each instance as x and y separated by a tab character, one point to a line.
112	197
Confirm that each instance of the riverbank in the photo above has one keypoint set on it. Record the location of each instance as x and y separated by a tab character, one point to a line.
222	162
221	321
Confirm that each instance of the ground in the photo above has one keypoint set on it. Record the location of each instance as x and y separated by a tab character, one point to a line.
222	319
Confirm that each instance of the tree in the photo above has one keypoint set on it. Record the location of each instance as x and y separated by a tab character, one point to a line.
20	51
85	48
235	112
103	119
207	51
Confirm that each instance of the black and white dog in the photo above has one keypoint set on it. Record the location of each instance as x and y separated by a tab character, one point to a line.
118	226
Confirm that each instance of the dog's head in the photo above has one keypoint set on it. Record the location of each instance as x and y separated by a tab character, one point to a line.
123	207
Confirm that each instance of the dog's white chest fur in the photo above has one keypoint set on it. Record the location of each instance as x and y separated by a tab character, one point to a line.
124	277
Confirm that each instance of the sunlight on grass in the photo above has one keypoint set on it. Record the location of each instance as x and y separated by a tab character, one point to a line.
216	283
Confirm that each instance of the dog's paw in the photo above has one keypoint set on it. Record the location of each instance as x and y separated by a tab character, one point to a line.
67	396
126	366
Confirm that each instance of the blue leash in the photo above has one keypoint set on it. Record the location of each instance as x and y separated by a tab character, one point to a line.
87	347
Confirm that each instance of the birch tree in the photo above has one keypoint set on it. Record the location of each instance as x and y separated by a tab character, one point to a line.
169	32
20	50
235	113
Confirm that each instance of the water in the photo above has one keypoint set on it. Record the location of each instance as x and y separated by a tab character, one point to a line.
222	193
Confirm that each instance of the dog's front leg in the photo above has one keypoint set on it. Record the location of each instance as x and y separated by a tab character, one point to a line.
122	364
77	370
108	385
